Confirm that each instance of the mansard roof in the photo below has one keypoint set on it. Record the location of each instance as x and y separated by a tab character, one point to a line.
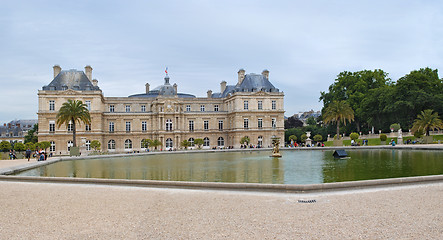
251	83
163	90
71	79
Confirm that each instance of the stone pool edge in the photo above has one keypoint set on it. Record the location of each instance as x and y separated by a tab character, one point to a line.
257	187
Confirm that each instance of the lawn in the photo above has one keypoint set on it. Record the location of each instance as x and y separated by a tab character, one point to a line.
376	141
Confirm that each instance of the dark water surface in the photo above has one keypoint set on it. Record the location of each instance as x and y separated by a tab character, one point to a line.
295	167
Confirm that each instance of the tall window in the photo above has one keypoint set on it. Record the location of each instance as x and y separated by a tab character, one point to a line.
191	125
88	127
260	123
70	144
220	125
128	126
188	108
52	147
260	141
70	127
260	105
52	126
274	123
51	105
206	142
168	125
111	108
144	126
88	105
128	144
127	108
215	108
245	123
111	144
169	143
143	108
111	126
245	105
206	125
202	108
191	142
88	145
274	105
220	142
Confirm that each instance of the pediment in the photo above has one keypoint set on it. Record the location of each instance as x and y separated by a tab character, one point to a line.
71	92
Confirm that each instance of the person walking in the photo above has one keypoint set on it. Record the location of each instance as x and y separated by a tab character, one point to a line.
28	154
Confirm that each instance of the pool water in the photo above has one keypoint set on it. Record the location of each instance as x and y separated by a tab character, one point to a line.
295	167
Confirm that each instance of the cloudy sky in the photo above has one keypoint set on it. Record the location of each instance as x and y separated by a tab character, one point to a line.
304	44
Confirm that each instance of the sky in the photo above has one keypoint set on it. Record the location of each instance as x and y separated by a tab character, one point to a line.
303	44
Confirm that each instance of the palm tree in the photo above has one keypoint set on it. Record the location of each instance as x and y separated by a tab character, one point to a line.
338	112
73	111
427	121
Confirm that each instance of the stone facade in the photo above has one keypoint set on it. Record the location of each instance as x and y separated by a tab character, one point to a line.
253	107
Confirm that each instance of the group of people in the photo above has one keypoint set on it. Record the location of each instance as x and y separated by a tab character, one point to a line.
40	155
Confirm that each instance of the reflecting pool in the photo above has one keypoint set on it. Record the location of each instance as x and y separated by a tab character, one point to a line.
295	167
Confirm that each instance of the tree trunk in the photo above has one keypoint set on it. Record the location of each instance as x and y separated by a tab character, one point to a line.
338	130
358	126
73	133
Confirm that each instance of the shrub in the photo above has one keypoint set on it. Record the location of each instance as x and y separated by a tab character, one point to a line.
244	140
5	146
419	133
318	138
95	144
293	137
354	136
19	147
383	137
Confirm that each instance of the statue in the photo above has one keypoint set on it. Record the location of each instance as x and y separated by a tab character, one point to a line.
275	150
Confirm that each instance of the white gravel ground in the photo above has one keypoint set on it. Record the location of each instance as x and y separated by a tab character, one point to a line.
70	211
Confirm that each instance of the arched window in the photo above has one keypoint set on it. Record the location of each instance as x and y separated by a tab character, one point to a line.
52	147
88	145
191	142
206	142
220	142
260	141
169	143
70	144
111	144
128	144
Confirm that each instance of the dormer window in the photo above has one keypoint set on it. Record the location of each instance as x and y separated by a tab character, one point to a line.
64	87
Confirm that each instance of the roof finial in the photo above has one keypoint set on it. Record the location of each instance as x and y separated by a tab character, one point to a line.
167	76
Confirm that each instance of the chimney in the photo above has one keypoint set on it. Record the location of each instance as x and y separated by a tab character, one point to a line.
241	75
147	88
209	93
175	88
88	72
95	82
222	86
57	70
265	73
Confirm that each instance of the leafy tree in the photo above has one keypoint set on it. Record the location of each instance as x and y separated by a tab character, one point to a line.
395	127
156	143
293	122
30	145
43	145
244	140
199	142
32	135
311	121
318	138
293	138
95	144
146	143
5	146
354	136
427	121
303	137
185	144
73	111
19	147
338	112
419	133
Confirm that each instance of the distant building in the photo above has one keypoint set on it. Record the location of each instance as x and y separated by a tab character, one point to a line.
252	107
303	116
16	130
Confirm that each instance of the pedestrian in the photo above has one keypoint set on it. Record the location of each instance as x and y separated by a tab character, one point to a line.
28	154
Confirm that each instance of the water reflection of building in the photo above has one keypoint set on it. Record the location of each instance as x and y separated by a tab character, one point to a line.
252	107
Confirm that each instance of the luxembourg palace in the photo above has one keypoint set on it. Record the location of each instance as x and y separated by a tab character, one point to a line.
251	107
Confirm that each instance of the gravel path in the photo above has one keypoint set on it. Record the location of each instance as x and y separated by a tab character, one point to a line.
69	211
